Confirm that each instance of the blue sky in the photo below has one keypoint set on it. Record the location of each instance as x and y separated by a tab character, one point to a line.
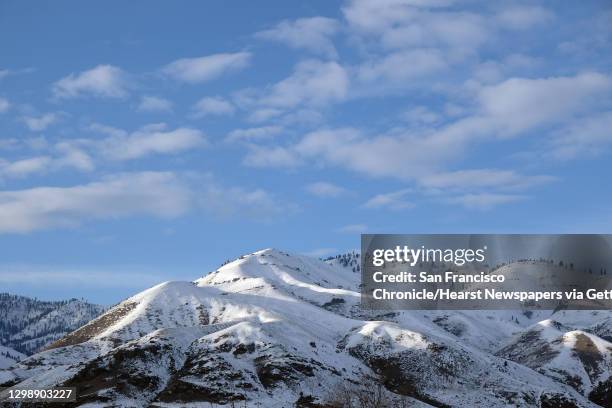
150	141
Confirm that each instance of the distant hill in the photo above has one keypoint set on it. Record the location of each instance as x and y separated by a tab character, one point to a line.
27	325
349	260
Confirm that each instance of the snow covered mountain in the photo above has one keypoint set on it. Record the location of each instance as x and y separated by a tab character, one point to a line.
27	324
272	329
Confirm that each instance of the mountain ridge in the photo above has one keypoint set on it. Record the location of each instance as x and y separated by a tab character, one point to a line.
29	324
277	329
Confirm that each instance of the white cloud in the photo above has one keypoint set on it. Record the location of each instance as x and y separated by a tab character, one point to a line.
392	201
156	194
38	123
213	106
311	34
73	156
228	202
511	108
61	156
403	65
406	156
253	134
271	156
485	201
152	193
459	33
482	178
352	229
372	16
325	189
401	68
519	104
148	140
154	104
194	70
298	98
298	117
264	114
24	167
345	147
4	105
522	17
107	130
586	137
421	115
105	81
312	82
409	24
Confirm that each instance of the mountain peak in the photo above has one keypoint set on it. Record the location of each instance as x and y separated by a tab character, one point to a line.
272	328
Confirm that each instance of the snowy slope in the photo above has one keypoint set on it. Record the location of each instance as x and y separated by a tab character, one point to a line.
8	357
273	329
28	324
566	348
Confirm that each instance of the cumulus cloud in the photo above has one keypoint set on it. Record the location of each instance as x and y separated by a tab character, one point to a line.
148	140
485	201
264	114
24	167
511	108
414	158
522	17
38	123
154	104
156	194
348	148
73	156
519	104
59	156
409	24
253	134
104	81
312	82
297	99
482	178
212	106
271	156
405	156
586	137
376	16
229	202
312	34
393	201
201	69
400	67
153	193
325	189
421	115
